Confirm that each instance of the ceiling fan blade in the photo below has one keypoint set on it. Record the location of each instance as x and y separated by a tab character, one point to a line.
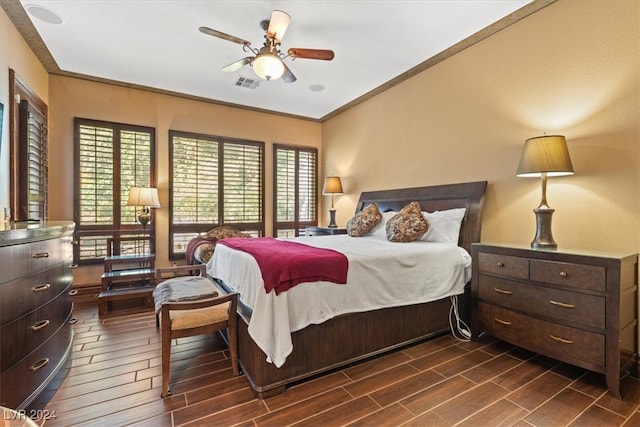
224	36
324	54
288	76
278	25
238	64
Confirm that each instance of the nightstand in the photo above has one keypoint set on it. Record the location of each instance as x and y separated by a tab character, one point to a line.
323	231
574	306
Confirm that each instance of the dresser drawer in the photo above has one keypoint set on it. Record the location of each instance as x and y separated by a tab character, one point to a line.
28	332
19	382
564	306
48	253
27	293
504	265
558	341
568	274
15	262
22	260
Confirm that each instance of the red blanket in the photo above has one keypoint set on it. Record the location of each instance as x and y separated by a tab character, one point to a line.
284	264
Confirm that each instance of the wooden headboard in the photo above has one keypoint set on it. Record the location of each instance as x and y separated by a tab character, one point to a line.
469	195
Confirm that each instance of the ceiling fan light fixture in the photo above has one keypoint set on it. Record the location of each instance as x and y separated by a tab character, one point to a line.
267	62
278	24
268	66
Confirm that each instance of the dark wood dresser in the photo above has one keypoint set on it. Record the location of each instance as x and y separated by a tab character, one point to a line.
35	311
577	307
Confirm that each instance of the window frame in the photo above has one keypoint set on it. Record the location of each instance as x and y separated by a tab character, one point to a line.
296	224
117	228
255	228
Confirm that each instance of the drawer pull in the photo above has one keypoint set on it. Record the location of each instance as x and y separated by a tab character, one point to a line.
500	264
563	274
41	255
562	304
562	340
39	325
502	322
73	292
40	364
42	287
502	291
73	320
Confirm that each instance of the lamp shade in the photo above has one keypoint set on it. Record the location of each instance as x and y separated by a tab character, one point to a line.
278	24
545	154
143	196
332	185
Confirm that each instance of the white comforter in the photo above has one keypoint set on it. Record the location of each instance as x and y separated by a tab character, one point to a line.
381	274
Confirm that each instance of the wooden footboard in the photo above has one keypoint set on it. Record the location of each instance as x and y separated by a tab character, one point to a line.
340	341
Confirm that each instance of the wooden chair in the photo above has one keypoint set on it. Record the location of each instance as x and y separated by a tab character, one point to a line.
193	317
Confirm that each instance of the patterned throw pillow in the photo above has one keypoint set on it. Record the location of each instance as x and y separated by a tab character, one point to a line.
407	225
364	221
204	252
225	231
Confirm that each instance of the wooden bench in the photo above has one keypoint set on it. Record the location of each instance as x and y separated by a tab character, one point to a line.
126	284
126	276
127	262
134	276
106	296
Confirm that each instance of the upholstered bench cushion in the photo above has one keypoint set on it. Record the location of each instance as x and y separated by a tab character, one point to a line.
186	288
185	319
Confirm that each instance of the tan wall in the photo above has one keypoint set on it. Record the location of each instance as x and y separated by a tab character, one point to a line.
71	98
572	68
15	54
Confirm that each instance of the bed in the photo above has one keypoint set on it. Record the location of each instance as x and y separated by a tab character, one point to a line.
351	336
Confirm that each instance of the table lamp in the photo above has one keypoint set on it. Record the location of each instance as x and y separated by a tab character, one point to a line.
544	156
147	198
332	186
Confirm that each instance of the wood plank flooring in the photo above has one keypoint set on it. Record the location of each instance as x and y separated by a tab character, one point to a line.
115	381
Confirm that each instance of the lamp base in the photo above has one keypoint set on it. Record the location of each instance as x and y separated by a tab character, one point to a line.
544	238
143	216
332	219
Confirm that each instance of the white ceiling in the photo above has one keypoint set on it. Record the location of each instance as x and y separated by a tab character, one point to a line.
156	44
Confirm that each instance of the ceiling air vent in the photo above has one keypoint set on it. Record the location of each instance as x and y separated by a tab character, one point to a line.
247	82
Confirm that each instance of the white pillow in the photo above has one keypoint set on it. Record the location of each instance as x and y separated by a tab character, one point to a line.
381	228
444	226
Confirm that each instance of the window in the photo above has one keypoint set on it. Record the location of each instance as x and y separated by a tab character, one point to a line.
296	189
109	159
214	181
29	159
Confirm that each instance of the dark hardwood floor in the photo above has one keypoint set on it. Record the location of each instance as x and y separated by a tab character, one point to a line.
115	381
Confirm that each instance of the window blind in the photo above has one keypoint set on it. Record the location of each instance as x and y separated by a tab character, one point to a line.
29	172
296	189
110	158
34	161
214	181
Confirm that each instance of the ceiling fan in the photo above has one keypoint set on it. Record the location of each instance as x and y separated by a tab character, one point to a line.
268	61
